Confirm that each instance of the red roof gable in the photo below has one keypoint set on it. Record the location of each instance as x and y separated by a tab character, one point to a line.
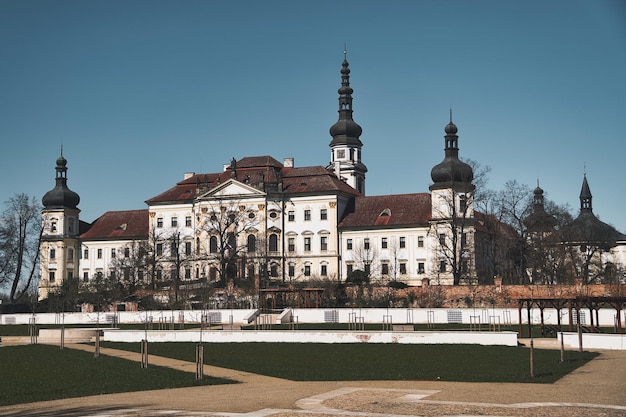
389	210
129	224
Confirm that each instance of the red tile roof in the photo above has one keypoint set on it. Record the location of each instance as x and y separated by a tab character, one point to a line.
255	171
113	225
389	211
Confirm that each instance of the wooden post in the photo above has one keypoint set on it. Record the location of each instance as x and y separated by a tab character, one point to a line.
144	353
562	349
532	358
96	353
199	361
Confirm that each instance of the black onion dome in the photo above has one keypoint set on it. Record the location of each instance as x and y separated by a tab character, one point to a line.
451	169
346	131
61	196
451	129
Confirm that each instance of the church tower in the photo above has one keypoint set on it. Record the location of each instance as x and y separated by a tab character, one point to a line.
345	147
60	246
452	219
452	188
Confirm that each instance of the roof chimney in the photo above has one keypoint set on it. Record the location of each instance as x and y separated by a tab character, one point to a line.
188	175
288	162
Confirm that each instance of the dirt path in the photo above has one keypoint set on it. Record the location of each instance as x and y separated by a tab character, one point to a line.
598	384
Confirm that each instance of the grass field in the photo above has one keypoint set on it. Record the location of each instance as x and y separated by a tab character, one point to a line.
350	362
43	372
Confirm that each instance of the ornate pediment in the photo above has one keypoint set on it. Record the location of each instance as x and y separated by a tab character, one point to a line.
232	189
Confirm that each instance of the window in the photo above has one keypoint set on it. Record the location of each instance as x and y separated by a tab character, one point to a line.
53	226
464	266
160	222
442	238
402	268
291	216
291	244
232	241
307	270
174	248
274	270
464	239
127	273
385	269
213	244
420	241
366	243
126	252
187	248
324	214
349	244
187	273
159	274
463	204
273	215
85	276
159	249
251	271
86	253
324	242
99	253
307	244
53	253
112	252
52	276
324	270
251	243
188	221
273	243
213	273
420	268
70	274
174	221
383	243
197	246
307	214
402	242
349	268
442	266
292	270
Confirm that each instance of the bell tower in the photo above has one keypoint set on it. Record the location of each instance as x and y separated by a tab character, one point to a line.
60	245
345	147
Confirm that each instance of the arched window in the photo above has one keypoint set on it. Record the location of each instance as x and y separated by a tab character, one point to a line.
251	243
273	243
213	244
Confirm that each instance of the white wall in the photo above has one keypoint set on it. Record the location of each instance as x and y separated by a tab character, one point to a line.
485	317
219	336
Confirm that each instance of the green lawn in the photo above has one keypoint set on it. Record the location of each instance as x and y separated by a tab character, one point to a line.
350	362
43	372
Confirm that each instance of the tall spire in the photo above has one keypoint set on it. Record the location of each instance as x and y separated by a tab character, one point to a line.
585	195
345	147
346	130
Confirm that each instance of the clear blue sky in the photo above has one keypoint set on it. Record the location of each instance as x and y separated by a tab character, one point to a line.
138	92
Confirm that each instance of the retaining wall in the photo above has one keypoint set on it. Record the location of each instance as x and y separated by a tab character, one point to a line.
219	336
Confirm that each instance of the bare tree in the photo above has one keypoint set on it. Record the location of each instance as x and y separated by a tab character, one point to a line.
130	266
20	234
230	230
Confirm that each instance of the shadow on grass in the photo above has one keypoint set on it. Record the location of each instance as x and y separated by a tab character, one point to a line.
45	372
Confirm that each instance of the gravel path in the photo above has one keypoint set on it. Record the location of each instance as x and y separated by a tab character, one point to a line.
596	389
